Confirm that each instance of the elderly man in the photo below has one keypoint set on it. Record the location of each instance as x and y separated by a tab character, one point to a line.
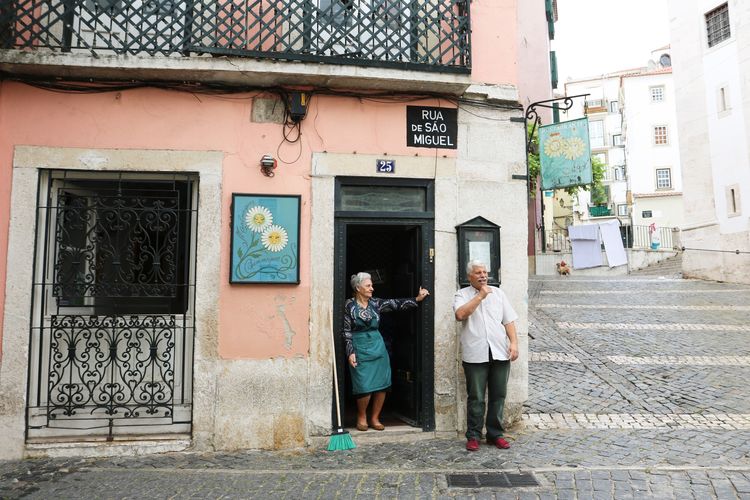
489	342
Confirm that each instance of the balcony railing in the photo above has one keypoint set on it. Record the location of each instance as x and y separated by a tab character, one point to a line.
428	35
636	237
599	211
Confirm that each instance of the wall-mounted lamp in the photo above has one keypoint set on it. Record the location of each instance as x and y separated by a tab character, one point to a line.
267	165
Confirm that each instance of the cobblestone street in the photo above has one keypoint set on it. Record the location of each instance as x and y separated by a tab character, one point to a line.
638	389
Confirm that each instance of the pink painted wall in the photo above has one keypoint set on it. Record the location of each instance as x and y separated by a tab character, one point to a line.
533	56
251	323
494	41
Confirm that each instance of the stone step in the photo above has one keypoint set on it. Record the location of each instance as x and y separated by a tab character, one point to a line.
671	267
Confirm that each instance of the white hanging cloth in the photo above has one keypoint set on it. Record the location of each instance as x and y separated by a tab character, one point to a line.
613	246
585	245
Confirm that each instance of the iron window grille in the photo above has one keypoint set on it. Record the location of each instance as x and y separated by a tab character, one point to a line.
113	300
717	25
430	35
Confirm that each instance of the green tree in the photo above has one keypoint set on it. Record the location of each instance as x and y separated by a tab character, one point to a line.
598	193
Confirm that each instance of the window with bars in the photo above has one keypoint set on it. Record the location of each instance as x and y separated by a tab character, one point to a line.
717	25
660	135
657	93
663	178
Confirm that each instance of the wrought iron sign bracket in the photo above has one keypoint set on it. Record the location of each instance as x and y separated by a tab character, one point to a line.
533	116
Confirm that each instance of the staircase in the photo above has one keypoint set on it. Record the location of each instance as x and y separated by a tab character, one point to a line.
668	268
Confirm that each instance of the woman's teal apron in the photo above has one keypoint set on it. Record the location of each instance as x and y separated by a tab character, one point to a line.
373	371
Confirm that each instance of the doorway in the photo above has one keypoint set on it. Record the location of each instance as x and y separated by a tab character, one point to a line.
396	250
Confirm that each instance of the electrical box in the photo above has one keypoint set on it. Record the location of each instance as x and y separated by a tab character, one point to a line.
298	102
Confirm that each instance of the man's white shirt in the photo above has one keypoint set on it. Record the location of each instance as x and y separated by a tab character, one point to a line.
484	328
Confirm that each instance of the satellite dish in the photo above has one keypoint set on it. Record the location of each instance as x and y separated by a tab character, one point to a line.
665	60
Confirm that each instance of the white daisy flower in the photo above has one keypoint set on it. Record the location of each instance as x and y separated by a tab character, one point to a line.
274	238
258	218
574	148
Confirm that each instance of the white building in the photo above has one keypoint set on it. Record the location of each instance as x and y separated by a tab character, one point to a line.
652	146
711	55
633	131
602	106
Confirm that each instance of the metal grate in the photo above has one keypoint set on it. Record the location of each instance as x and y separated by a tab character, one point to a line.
420	34
717	25
492	480
113	299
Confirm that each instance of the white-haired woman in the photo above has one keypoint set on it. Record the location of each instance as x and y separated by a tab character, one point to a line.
369	363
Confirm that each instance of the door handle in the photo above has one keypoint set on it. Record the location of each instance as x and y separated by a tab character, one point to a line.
432	255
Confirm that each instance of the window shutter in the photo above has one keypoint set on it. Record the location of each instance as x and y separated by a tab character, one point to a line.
553	68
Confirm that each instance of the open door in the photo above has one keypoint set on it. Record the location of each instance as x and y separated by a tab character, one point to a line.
393	252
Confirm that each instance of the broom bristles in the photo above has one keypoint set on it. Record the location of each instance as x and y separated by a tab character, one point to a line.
341	440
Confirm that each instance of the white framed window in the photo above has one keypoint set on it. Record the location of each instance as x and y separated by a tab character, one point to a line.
660	135
620	173
622	209
657	93
717	25
617	140
734	207
723	103
647	214
663	178
596	134
614	107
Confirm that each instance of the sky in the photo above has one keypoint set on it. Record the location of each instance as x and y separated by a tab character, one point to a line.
593	37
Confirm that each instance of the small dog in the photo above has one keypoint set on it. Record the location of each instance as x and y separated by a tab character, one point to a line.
562	268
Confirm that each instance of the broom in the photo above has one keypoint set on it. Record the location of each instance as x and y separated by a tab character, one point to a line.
340	439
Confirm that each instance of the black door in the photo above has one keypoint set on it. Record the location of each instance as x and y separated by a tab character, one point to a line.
396	253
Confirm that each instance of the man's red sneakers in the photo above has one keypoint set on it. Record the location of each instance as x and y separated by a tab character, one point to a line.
472	444
499	442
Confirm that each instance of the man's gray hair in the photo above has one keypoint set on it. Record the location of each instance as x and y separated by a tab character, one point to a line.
357	279
474	263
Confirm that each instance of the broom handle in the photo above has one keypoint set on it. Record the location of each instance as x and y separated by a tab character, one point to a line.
335	381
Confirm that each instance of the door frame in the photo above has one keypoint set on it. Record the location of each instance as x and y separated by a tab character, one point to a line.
425	220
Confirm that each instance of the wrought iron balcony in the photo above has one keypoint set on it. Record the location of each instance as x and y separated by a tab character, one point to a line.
426	35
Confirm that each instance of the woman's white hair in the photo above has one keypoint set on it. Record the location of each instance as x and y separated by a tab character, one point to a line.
474	263
357	279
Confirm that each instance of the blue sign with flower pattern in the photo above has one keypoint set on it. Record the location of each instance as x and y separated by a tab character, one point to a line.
265	238
565	154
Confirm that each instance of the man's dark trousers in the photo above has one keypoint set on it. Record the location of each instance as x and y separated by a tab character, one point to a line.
492	377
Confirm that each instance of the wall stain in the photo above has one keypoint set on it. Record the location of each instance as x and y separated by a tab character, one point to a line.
289	333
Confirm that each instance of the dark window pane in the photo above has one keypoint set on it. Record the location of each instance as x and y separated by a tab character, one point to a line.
383	199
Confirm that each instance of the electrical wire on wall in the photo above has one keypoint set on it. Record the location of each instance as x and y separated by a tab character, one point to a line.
295	102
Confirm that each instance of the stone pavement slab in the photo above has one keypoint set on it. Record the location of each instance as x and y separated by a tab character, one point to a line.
623	403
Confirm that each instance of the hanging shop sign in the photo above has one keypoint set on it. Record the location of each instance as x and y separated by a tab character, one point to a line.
565	154
431	127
